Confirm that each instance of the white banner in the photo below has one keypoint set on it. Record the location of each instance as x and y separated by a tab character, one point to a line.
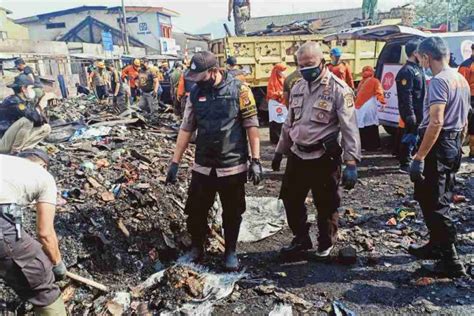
390	113
277	112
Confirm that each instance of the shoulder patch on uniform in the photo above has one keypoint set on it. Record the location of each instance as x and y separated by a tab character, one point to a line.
22	106
348	100
248	106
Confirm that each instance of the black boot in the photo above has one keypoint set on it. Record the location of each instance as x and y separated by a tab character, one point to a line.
428	251
231	234
298	245
195	254
449	265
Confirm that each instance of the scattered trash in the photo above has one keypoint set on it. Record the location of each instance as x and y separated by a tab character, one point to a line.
424	281
391	222
281	310
348	255
340	309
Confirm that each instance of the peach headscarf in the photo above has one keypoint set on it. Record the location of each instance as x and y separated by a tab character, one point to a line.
275	84
369	87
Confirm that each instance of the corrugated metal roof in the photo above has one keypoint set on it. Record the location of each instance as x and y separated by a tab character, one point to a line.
342	18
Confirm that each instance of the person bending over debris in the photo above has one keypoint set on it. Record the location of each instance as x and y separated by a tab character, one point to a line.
321	107
116	87
241	10
100	82
22	125
148	83
340	68
223	111
434	166
38	86
26	265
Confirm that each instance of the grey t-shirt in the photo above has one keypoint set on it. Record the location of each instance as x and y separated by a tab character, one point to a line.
450	88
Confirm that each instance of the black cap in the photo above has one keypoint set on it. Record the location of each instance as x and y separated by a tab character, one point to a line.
109	63
41	154
200	63
21	80
19	61
231	61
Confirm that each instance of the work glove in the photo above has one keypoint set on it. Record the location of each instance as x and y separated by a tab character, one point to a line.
410	123
255	171
59	271
276	162
416	170
349	177
172	173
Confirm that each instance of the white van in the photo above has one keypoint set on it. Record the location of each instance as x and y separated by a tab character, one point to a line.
393	57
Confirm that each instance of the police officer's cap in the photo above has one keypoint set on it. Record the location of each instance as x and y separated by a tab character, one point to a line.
231	61
21	80
200	64
41	154
19	61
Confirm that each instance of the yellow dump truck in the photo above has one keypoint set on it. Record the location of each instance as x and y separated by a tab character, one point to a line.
258	55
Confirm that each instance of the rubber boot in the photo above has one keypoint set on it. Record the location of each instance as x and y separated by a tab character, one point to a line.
196	253
299	244
57	308
449	265
231	261
471	146
428	251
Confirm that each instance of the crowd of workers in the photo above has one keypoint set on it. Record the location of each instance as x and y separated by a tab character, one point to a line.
327	126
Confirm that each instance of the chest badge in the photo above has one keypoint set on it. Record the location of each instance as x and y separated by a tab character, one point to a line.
202	99
403	82
321	115
326	91
323	105
21	106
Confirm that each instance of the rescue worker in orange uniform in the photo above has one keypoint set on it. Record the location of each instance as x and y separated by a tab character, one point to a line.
130	73
340	68
467	70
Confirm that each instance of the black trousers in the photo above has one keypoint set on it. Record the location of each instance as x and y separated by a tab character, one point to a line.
25	267
201	195
369	137
435	192
322	176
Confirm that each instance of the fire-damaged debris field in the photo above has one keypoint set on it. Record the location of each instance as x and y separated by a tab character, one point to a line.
119	225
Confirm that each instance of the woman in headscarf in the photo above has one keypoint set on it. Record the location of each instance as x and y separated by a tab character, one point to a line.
369	99
275	94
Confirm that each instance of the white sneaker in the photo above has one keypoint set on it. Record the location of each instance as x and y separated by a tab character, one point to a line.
324	253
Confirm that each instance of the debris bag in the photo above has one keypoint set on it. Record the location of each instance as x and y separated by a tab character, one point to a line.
281	310
216	287
62	132
264	217
91	133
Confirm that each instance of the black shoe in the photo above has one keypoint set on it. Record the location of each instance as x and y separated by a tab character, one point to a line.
449	265
298	245
426	252
231	262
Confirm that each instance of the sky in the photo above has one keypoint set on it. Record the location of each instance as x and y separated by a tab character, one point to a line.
197	16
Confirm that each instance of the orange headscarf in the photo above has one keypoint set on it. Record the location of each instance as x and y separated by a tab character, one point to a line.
275	84
369	87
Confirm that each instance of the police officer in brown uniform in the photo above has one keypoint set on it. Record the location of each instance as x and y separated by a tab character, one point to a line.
321	107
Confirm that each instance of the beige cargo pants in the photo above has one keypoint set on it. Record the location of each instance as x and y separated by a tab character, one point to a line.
23	135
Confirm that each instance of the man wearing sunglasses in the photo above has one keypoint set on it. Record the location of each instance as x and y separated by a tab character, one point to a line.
321	108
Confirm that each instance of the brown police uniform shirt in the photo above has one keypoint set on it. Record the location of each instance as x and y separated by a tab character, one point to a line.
316	111
248	113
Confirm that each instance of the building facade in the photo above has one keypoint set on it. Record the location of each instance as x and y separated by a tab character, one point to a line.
145	25
9	29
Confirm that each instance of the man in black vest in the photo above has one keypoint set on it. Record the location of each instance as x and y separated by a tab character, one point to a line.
223	111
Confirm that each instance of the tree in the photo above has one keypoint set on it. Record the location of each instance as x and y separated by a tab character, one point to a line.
435	12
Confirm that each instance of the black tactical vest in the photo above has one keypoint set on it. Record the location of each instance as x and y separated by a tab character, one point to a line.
221	139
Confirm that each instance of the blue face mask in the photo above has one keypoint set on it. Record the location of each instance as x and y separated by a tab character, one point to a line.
311	73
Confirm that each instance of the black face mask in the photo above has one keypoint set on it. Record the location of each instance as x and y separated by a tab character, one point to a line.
206	85
311	73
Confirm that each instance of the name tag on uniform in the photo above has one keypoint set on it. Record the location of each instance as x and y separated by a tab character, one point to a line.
202	99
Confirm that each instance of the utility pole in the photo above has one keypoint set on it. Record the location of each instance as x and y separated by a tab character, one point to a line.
125	29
